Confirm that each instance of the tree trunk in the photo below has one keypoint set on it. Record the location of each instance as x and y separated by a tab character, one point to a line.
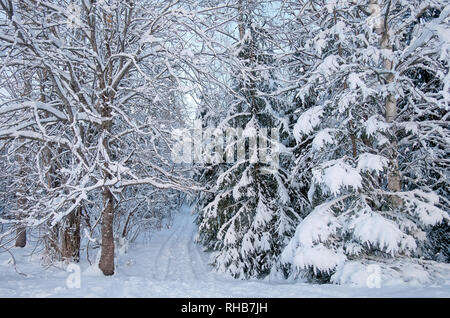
51	241
241	21
21	236
107	255
70	248
21	233
106	263
382	29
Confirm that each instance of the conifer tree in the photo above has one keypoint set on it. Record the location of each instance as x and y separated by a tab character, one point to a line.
250	217
355	133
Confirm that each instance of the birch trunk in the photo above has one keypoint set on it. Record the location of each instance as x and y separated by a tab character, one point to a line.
382	29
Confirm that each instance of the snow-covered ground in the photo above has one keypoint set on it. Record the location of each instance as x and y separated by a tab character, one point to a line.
172	265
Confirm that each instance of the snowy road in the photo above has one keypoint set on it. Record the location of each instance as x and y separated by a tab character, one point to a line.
178	258
171	265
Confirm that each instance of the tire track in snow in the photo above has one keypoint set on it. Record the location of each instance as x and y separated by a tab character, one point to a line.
174	254
180	266
199	268
162	258
196	266
178	257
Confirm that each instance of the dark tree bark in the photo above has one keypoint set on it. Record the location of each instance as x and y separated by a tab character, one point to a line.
70	248
21	236
21	233
106	263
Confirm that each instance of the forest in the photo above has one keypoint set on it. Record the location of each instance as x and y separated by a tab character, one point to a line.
305	140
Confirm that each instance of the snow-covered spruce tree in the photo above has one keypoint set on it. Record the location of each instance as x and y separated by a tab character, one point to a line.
423	118
355	133
249	219
206	171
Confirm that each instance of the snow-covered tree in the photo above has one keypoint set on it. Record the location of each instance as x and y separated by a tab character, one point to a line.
361	107
110	73
249	219
323	129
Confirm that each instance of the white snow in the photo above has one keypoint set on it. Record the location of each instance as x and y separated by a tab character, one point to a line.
323	137
371	162
172	265
328	66
424	207
387	275
336	176
355	81
373	229
307	122
306	248
352	273
319	257
375	124
315	228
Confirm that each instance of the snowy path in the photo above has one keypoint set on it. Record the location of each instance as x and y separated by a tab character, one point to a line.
178	257
171	265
